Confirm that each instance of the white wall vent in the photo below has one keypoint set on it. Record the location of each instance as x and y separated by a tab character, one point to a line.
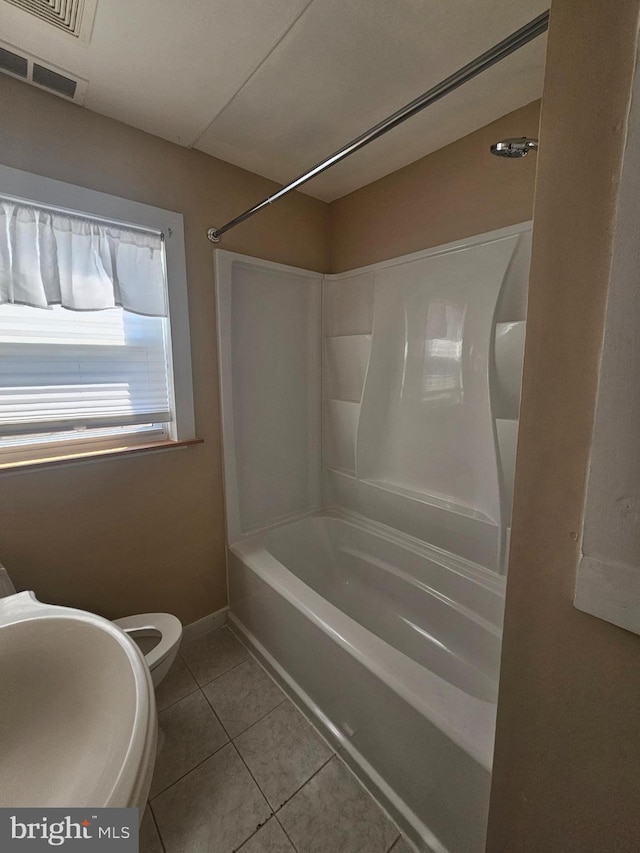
18	63
71	16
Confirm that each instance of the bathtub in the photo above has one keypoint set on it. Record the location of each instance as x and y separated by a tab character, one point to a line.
393	649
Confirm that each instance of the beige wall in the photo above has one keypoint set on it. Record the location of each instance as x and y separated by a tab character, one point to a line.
567	763
141	533
455	192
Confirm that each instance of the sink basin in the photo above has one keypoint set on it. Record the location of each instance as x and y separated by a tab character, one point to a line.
77	710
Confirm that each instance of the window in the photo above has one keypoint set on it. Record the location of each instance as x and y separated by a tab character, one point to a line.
94	338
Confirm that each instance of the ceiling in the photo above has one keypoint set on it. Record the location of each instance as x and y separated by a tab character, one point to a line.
274	86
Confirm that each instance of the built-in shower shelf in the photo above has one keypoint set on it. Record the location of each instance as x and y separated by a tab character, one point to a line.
330	400
430	499
343	472
365	335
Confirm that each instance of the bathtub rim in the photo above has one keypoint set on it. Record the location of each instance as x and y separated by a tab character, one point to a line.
468	721
476	572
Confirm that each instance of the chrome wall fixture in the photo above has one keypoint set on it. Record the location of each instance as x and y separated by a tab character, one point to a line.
519	147
490	57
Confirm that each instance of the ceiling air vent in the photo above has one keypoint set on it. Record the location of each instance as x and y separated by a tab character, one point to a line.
13	63
71	16
19	63
54	81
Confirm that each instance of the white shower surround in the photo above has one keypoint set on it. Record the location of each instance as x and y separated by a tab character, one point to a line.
377	603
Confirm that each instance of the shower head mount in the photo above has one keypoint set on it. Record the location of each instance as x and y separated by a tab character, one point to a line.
519	147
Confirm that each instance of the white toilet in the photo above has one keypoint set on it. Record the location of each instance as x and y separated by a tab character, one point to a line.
158	636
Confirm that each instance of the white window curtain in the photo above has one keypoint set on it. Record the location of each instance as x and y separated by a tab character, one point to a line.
53	258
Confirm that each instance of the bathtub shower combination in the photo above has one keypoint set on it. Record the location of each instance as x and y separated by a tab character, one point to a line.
369	427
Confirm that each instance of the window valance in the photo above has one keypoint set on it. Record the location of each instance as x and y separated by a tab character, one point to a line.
54	258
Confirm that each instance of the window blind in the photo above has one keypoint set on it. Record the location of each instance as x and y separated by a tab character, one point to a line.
65	370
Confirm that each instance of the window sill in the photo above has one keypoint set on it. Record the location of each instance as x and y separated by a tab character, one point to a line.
94	455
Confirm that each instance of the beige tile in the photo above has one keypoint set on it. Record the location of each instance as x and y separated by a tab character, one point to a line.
176	684
213	809
402	846
213	655
270	838
334	812
192	733
242	696
282	751
149	838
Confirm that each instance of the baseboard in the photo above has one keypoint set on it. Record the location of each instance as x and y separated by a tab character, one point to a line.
201	627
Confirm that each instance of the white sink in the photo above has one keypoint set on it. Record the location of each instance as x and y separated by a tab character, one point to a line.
77	711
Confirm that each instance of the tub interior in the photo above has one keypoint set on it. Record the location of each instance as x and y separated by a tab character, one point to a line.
436	617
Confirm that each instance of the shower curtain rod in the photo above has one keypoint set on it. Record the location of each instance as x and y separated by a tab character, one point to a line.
495	54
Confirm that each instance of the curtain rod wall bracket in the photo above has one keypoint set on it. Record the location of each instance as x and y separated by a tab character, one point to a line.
490	57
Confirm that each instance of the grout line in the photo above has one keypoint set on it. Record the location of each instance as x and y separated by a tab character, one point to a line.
274	811
250	656
266	714
285	699
201	686
244	731
224	728
295	700
286	833
394	844
155	823
257	660
213	710
215	715
175	702
184	660
255	832
191	769
226	672
266	799
185	645
188	668
306	782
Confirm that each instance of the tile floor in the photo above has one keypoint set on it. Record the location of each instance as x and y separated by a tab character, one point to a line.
242	770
